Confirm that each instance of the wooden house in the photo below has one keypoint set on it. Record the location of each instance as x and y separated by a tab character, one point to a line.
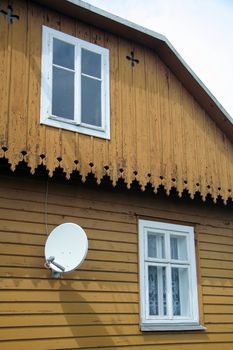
104	125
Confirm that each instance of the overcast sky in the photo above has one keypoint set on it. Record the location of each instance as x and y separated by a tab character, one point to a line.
200	30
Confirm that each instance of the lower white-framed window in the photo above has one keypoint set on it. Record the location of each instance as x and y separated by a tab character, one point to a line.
74	84
168	281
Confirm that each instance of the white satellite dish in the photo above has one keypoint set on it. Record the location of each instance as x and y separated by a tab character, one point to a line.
65	248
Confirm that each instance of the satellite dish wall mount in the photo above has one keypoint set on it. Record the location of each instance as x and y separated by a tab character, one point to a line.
51	261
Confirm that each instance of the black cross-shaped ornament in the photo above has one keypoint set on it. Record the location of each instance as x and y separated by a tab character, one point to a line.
9	14
132	59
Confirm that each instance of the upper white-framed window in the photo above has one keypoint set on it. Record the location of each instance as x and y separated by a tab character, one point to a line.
168	281
74	84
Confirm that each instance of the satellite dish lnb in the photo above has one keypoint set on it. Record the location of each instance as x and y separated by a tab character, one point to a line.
65	249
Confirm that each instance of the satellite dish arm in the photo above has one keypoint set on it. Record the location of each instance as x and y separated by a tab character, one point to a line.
51	261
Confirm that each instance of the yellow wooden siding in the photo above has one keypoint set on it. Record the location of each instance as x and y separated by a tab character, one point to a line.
97	306
159	133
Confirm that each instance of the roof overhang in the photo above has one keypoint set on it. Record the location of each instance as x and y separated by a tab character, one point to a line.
116	25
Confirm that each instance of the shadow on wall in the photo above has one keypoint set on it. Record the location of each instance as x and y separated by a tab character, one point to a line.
88	321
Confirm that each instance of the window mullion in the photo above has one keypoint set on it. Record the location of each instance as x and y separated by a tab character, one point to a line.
169	292
168	248
170	306
160	292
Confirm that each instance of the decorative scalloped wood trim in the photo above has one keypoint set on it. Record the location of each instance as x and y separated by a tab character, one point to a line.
129	177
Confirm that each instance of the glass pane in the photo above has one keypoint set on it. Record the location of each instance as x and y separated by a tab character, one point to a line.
178	247
156	245
91	63
180	291
91	101
157	290
63	93
63	54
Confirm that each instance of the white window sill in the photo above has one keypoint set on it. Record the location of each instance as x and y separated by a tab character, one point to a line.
104	134
171	327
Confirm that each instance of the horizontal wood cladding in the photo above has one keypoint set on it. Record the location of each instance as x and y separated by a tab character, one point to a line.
159	133
97	306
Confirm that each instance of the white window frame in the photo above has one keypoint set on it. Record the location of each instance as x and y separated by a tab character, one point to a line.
167	323
76	125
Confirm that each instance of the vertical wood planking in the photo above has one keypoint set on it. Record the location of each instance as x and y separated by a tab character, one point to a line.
53	135
5	61
200	149
212	152
229	148
194	129
35	131
224	164
224	161
172	104
141	113
85	142
176	135
17	123
115	145
100	146
127	112
189	127
159	160
68	140
153	117
193	140
183	140
165	160
209	150
218	156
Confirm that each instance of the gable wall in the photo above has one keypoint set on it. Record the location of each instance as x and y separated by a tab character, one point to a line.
97	306
159	133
